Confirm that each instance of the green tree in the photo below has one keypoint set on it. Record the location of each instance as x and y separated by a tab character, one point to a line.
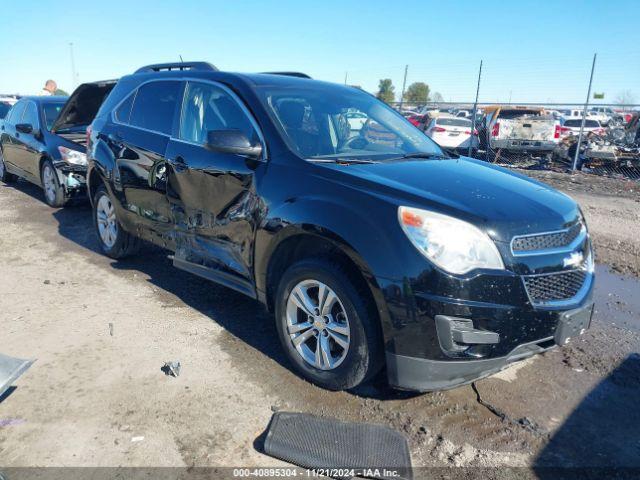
417	92
386	90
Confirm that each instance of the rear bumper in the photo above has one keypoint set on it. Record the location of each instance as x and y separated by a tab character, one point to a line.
523	145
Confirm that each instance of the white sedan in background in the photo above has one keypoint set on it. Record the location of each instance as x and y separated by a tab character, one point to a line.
453	133
572	127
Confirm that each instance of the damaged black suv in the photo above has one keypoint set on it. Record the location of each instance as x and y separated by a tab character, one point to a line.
372	245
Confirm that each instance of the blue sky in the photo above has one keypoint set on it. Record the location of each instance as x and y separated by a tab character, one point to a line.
537	51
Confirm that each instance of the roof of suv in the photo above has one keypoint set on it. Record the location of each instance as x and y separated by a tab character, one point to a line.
207	71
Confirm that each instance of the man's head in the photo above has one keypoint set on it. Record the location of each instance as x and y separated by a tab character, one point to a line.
51	86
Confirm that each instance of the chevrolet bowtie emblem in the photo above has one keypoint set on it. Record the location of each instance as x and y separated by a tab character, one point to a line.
573	260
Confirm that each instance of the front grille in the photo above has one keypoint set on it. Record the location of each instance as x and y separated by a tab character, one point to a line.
546	241
554	286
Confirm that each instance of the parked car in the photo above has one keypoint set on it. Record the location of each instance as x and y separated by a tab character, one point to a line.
43	141
369	249
520	130
607	115
572	127
453	133
4	109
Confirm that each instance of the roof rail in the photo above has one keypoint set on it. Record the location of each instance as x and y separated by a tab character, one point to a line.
289	74
158	67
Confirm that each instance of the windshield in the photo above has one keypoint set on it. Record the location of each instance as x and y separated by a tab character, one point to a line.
324	121
51	112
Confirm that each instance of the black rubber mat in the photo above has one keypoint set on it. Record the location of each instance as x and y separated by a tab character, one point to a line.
337	449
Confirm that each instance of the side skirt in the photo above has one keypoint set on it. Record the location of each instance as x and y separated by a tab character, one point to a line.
217	276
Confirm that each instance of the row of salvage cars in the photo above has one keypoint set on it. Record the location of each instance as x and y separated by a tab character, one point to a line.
535	135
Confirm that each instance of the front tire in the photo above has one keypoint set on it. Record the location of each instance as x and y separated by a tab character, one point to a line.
326	325
5	176
114	241
53	191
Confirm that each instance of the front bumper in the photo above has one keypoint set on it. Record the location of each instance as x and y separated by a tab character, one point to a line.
73	179
423	355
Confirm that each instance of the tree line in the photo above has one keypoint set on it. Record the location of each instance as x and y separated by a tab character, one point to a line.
417	92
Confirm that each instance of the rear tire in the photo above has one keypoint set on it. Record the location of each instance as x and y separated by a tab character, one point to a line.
53	191
5	176
114	241
321	356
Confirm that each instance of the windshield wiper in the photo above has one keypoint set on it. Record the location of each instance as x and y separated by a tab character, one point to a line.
341	160
429	156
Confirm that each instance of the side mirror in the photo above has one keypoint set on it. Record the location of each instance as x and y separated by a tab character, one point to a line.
232	141
24	127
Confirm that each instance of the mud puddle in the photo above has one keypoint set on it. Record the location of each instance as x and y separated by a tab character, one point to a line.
617	299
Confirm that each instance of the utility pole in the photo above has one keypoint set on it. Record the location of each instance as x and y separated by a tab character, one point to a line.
346	76
404	84
584	115
475	110
74	76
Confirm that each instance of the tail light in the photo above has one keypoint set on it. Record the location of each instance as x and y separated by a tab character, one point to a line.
438	129
495	130
563	130
475	132
556	133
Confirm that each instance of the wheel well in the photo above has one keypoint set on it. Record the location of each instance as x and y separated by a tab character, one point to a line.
94	180
303	246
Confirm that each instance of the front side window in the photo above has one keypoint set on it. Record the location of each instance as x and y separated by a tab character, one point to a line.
154	106
4	109
51	112
208	107
327	121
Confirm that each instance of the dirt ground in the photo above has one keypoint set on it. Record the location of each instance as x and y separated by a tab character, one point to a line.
100	331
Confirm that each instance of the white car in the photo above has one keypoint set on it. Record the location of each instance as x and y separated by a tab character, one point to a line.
572	127
356	120
452	132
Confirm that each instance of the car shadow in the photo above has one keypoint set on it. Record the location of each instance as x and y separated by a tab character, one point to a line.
600	439
242	317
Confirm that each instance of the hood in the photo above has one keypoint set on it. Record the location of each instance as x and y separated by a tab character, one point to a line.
501	202
83	105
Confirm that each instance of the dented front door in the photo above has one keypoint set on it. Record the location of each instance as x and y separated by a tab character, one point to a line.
212	195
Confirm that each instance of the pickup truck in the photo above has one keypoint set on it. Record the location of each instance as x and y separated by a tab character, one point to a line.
519	130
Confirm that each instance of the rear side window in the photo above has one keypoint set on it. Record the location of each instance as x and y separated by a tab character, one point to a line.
15	115
30	116
154	106
123	112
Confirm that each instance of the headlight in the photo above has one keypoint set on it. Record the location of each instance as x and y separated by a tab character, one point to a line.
72	156
453	245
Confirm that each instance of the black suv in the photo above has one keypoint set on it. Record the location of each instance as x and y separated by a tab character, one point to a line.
370	244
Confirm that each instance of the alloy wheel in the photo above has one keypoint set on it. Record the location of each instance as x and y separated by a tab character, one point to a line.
317	324
107	223
49	183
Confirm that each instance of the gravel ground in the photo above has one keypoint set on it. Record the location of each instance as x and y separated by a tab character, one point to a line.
100	331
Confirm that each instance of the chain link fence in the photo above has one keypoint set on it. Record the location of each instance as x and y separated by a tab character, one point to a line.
537	136
531	112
